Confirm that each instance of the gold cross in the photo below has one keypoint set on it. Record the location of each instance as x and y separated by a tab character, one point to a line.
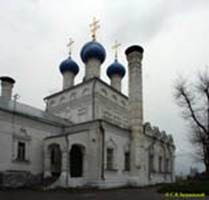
70	46
93	27
115	47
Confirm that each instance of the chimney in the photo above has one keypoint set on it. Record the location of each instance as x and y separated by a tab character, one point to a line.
7	84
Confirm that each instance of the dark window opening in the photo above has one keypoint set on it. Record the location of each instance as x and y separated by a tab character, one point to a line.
160	164
21	151
151	163
127	161
167	165
76	161
53	156
110	158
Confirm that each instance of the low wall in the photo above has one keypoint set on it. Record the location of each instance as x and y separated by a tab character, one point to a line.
16	179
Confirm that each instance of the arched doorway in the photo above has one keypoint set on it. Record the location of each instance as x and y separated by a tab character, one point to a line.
76	161
55	159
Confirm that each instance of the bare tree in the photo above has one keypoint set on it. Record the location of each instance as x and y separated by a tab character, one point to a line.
193	99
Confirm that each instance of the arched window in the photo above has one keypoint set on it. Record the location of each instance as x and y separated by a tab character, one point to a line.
85	91
52	102
21	151
123	103
62	99
160	163
111	151
151	163
73	96
127	161
161	157
110	158
127	157
114	97
167	165
104	92
151	159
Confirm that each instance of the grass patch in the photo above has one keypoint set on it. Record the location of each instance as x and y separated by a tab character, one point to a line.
189	186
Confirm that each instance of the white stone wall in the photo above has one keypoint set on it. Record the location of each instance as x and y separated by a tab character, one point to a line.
76	104
111	105
120	141
32	132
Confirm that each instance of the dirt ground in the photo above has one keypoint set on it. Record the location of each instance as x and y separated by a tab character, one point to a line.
115	194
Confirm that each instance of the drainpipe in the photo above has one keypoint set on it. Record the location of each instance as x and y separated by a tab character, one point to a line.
93	99
103	146
67	163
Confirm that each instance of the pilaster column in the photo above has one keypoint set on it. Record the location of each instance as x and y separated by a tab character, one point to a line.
65	168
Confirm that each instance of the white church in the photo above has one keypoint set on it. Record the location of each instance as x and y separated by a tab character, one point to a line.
89	135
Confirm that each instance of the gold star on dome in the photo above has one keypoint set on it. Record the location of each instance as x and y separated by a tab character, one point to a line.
94	26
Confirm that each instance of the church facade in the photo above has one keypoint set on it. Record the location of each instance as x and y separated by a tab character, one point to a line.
90	134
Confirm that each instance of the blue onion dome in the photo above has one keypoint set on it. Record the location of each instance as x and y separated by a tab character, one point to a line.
116	68
93	49
69	65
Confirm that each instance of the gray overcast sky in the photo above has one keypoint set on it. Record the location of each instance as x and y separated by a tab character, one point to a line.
173	33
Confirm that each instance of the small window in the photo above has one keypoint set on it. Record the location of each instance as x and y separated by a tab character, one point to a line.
123	103
52	102
110	158
160	164
151	162
85	92
62	98
114	97
167	165
73	96
104	92
21	151
127	161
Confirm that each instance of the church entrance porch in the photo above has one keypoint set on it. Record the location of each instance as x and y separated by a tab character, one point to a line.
76	161
65	163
